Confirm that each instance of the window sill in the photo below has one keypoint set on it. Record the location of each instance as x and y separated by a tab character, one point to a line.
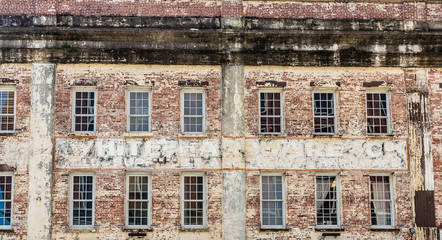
190	135
335	135
138	135
272	135
329	229
385	229
274	229
185	229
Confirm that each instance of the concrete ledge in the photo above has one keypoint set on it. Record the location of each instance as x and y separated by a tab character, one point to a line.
274	229
194	229
320	229
138	135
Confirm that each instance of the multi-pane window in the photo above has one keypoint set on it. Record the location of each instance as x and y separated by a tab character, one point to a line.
6	199
270	111
377	113
324	115
272	201
138	113
327	205
82	201
193	201
84	110
7	109
381	205
138	201
193	111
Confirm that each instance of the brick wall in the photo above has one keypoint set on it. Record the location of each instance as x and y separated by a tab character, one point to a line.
288	9
14	147
298	113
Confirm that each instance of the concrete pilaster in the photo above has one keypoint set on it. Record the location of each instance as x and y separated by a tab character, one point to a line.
233	148
41	151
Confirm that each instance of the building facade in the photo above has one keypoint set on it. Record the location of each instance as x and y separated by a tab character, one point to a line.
220	119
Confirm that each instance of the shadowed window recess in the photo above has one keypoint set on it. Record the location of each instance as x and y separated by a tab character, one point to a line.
6	200
82	201
270	111
138	112
7	110
381	205
272	202
138	201
324	113
377	113
193	111
193	200
327	204
84	110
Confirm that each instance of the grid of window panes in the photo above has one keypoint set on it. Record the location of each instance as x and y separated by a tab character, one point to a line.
84	112
139	112
82	200
380	200
377	113
324	113
326	201
193	112
270	112
138	201
272	201
7	110
5	201
193	201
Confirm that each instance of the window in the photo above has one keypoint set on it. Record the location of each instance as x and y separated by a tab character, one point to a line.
84	110
138	110
377	113
138	201
270	111
381	205
6	200
327	204
193	201
82	201
193	111
7	110
272	201
324	115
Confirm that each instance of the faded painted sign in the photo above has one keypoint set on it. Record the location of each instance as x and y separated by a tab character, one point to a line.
326	154
130	153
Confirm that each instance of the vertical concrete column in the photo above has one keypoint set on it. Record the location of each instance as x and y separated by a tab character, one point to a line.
41	146
231	14
232	150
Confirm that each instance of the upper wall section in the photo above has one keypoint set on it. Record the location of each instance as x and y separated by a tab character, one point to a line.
428	10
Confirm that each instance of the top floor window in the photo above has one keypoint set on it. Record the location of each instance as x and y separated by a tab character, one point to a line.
7	110
324	115
138	110
84	110
193	111
377	113
270	111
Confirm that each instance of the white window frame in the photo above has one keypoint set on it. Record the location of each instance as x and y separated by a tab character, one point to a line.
149	199
84	89
196	174
283	226
9	174
193	90
141	90
334	92
71	200
391	199
338	202
281	92
387	97
10	89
